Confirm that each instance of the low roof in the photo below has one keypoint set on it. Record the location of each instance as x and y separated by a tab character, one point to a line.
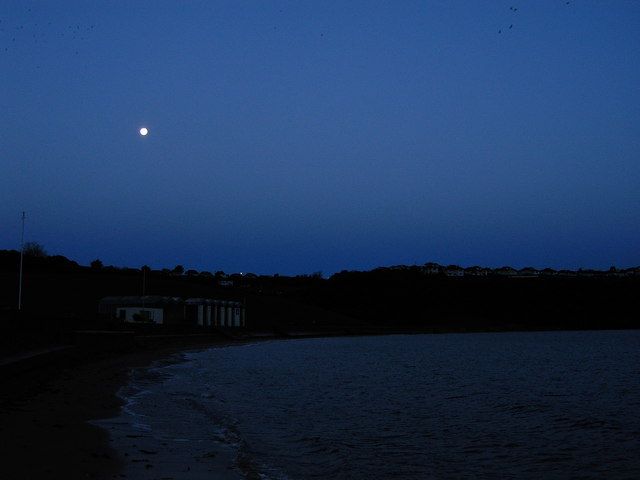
149	300
210	301
139	300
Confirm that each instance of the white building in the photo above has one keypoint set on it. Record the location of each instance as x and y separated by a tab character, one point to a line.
204	312
140	315
215	313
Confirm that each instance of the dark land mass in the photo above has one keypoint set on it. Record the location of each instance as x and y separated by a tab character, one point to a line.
61	363
405	299
60	297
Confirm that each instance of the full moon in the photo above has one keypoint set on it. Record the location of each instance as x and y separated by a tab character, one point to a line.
144	131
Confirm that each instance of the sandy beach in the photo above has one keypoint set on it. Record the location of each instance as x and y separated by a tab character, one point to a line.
45	416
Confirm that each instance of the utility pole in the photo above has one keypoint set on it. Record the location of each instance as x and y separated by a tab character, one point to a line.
21	256
144	283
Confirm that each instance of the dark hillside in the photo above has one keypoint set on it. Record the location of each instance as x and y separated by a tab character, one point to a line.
60	296
408	299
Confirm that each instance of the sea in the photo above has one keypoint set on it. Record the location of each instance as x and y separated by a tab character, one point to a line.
477	405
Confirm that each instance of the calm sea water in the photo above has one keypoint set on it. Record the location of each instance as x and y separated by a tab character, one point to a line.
507	405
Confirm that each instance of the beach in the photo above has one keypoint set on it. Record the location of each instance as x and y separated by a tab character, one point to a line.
45	413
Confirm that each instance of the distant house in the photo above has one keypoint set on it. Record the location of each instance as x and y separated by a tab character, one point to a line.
528	272
431	269
204	312
588	273
506	271
567	273
633	272
476	272
454	271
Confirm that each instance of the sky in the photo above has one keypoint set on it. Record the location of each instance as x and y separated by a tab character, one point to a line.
300	136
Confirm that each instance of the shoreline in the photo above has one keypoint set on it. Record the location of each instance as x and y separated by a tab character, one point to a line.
147	452
46	413
49	414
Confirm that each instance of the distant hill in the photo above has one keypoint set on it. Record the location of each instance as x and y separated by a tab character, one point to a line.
64	295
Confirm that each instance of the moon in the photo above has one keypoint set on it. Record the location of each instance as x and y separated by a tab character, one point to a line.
144	131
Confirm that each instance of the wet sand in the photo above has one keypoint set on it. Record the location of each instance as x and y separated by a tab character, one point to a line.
45	414
148	454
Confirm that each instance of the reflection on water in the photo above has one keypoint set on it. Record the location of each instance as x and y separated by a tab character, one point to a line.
510	405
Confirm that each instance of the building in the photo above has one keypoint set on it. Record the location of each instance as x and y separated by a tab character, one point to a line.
204	312
476	272
208	312
454	271
506	271
149	309
431	268
528	272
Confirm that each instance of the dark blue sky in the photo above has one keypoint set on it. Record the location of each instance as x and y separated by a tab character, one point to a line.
299	136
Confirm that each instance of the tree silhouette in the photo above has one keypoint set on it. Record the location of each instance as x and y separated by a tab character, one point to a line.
34	249
178	270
